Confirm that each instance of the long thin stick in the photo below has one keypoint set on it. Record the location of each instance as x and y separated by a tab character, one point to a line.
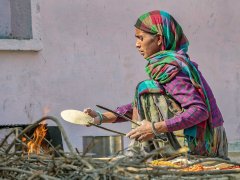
122	116
108	129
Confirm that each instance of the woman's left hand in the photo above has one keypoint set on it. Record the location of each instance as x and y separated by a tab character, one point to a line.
143	132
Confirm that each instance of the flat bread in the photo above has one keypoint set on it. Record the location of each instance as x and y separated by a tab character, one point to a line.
76	117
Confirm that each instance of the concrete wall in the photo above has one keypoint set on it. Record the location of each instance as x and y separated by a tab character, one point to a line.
89	58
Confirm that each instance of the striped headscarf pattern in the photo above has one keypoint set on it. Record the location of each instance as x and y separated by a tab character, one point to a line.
162	23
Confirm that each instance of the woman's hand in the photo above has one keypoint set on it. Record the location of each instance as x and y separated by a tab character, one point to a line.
143	132
90	112
93	114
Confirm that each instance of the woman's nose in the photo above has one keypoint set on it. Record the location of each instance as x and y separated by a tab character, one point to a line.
137	44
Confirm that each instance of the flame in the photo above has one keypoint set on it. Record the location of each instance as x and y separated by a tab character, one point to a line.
35	144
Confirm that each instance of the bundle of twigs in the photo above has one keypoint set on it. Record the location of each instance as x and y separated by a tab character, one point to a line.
71	165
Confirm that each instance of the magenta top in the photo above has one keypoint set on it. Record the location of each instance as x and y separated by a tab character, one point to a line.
182	90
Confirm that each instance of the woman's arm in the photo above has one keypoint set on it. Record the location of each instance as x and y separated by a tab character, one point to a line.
183	91
108	117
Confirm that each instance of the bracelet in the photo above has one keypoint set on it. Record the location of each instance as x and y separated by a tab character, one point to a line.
154	130
100	117
160	136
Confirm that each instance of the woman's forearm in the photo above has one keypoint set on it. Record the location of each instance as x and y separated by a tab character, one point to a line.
108	117
160	127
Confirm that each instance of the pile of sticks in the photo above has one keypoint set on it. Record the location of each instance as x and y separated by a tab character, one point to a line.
72	165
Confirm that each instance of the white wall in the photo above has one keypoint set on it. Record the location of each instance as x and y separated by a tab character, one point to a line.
89	58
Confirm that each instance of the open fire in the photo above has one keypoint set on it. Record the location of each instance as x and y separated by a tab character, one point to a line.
43	139
34	145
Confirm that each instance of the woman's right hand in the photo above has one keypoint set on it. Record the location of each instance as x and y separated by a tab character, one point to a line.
90	112
93	114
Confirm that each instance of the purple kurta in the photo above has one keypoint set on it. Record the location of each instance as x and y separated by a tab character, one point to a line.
182	90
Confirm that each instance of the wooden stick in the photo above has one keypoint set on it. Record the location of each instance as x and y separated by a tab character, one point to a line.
107	129
122	116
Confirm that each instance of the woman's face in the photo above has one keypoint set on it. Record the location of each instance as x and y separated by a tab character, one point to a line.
147	44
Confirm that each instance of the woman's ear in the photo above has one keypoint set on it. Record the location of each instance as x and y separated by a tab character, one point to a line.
159	40
161	43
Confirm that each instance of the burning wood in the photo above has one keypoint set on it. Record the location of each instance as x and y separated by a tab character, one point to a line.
34	145
71	165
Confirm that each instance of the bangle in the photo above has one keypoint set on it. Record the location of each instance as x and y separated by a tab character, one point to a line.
154	130
160	136
100	117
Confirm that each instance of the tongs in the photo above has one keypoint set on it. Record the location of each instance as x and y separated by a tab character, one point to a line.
170	135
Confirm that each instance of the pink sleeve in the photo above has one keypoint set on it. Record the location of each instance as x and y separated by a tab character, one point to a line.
182	90
124	110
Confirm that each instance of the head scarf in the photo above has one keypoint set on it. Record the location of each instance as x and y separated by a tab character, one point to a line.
162	23
165	65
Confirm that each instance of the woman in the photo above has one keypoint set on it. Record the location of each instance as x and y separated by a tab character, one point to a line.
176	97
